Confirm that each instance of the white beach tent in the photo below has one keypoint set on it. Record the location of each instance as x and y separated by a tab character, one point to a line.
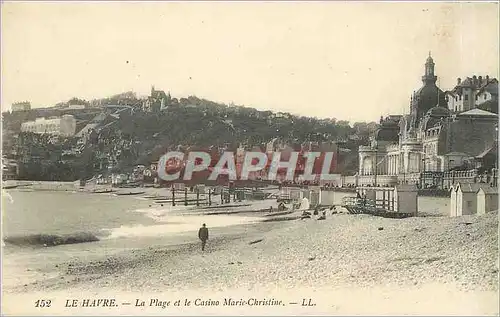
304	204
453	201
463	199
487	199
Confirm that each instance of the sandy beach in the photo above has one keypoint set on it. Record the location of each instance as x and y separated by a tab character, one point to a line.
348	264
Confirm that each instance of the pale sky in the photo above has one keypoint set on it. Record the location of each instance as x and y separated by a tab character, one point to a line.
351	61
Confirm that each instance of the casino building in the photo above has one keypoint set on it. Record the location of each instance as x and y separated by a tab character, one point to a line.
432	139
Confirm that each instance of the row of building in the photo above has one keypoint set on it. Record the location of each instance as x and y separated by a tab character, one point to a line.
66	125
157	100
63	126
443	131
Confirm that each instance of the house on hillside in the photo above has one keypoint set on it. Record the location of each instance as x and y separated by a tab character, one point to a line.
157	101
472	92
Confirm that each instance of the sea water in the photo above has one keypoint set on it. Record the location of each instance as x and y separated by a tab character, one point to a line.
119	223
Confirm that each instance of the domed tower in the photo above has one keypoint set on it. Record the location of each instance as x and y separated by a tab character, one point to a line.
429	77
428	96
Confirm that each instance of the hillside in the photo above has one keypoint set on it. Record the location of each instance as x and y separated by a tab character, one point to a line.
123	139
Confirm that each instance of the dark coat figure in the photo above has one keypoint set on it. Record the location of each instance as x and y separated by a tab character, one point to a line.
305	215
203	235
281	207
316	211
334	210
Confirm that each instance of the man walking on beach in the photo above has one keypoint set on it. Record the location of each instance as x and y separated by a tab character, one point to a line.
203	235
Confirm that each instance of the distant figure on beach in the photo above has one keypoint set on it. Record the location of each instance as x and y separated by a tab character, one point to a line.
305	215
334	209
323	216
203	235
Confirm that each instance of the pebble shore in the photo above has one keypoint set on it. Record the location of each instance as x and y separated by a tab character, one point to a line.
342	252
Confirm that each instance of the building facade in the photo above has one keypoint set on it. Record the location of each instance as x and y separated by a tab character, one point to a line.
157	101
432	139
473	92
21	106
63	126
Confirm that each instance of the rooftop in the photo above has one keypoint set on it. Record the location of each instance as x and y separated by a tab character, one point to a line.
478	112
489	190
468	187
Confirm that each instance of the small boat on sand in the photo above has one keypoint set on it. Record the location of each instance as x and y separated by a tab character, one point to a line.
103	191
129	193
280	213
10	186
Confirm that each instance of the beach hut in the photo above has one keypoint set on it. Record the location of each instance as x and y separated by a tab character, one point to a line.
293	193
296	194
406	199
466	200
327	197
314	195
487	199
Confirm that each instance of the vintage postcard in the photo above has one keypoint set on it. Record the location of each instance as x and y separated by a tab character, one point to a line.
249	158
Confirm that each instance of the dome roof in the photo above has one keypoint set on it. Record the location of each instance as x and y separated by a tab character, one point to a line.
427	97
387	134
433	117
438	111
428	91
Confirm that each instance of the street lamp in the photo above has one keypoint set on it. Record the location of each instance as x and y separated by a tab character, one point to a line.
452	173
423	172
404	170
